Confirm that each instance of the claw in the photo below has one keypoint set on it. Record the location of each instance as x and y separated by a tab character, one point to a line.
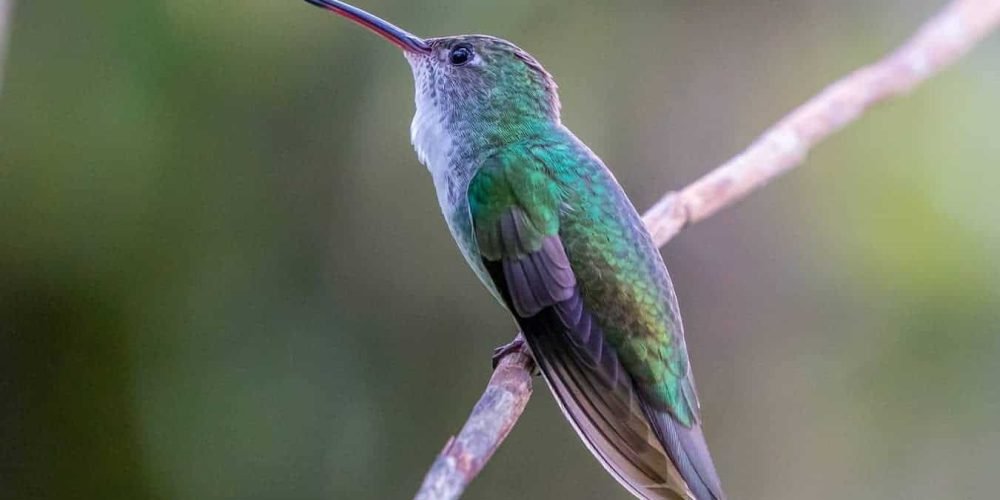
515	346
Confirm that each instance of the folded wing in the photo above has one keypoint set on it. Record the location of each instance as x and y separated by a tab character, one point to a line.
515	210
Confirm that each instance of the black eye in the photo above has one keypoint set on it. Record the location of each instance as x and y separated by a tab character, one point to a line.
460	55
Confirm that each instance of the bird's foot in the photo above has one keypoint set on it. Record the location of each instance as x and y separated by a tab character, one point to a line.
518	345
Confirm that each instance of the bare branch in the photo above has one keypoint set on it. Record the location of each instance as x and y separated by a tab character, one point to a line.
940	42
491	420
944	39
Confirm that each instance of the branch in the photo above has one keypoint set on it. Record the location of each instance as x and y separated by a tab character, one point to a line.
941	41
491	420
944	39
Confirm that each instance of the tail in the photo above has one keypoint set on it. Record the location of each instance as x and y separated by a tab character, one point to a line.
612	425
689	452
646	450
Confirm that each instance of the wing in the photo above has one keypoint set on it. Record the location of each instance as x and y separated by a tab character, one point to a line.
516	207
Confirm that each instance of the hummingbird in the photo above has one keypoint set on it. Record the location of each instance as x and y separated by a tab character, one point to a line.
550	232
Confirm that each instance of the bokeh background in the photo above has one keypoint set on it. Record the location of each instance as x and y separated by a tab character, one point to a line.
223	274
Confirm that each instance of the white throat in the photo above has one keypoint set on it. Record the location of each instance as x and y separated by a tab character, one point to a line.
429	137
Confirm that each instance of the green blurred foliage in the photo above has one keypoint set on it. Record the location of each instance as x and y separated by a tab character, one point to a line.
223	274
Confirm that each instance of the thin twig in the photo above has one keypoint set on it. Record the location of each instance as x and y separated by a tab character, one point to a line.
491	420
944	39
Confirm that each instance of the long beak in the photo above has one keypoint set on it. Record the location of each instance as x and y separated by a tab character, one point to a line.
404	40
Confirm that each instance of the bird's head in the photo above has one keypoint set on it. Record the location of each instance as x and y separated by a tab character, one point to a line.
471	87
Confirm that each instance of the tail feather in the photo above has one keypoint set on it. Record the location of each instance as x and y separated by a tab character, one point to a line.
689	451
612	427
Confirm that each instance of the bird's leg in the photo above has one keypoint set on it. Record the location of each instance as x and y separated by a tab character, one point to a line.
516	346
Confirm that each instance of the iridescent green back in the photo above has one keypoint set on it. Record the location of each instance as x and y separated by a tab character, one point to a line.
621	276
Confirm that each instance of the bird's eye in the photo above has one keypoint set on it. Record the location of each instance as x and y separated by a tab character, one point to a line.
460	55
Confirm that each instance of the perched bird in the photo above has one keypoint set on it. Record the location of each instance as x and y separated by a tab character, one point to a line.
547	228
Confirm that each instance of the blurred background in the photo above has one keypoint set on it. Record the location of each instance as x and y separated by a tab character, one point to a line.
224	275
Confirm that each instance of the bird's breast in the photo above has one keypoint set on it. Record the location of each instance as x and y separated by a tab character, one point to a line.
451	170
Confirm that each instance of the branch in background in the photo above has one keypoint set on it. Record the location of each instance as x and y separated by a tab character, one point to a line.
6	9
941	41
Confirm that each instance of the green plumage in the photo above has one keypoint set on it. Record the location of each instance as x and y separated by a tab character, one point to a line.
567	192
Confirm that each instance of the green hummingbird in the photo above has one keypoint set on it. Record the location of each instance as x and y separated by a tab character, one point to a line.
549	231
